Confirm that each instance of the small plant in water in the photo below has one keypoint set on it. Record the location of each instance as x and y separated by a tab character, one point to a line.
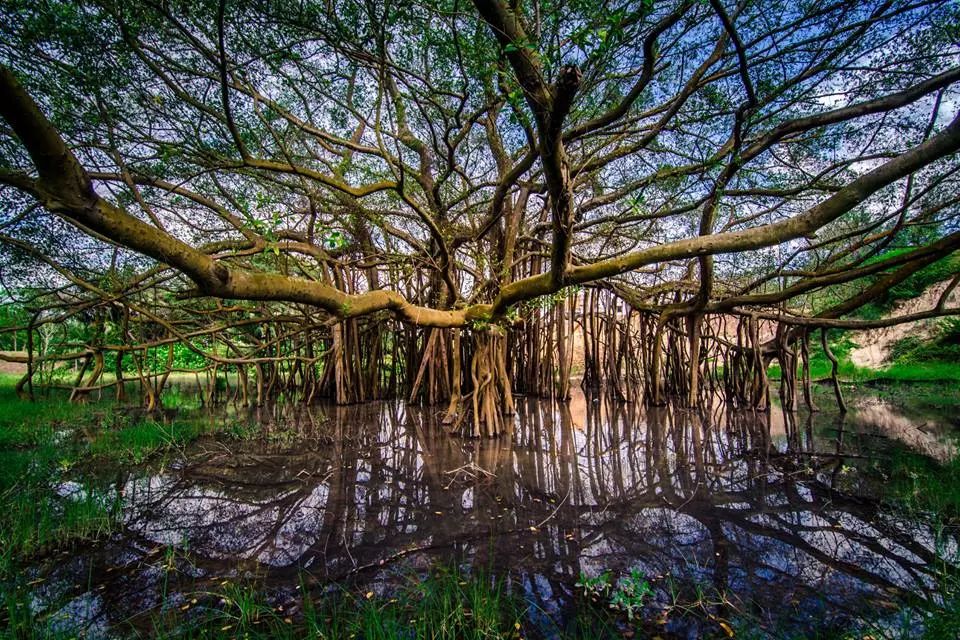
627	597
631	592
595	588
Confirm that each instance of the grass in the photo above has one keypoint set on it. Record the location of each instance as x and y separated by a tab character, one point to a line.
916	372
923	487
52	494
448	604
135	443
899	371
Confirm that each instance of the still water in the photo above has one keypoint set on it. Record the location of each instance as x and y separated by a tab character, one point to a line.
768	509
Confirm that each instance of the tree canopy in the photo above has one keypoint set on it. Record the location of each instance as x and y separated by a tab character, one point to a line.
251	145
449	162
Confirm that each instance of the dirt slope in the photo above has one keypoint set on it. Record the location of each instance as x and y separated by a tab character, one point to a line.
874	345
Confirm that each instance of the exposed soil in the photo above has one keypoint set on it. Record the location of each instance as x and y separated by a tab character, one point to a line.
12	368
874	345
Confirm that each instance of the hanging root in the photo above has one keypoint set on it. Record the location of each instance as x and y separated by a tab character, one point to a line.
482	412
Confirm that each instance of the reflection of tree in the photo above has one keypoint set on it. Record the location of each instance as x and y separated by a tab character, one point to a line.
708	496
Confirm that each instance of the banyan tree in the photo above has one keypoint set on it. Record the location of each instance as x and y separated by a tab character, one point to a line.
451	202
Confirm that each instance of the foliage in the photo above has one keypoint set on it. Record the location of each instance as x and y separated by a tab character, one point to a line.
912	287
595	587
631	592
13	315
942	347
321	151
937	364
626	597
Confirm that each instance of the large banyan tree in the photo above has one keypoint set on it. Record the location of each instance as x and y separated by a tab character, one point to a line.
443	200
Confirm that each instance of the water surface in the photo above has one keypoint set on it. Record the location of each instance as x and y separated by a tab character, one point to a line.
730	513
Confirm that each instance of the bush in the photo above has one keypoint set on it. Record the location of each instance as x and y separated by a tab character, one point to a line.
943	347
911	287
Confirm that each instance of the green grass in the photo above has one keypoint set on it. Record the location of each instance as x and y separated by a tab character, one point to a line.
35	455
141	439
901	371
916	372
448	604
925	488
53	447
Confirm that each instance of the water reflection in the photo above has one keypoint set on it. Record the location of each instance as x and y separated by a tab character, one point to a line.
762	507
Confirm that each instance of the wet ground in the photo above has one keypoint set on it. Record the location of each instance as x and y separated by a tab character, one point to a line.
767	509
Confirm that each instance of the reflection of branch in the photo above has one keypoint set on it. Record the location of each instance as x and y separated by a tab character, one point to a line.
554	512
742	492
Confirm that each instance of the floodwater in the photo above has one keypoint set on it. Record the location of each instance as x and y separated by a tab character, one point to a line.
767	509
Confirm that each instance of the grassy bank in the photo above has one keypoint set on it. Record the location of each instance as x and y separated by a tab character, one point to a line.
53	493
936	367
923	488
